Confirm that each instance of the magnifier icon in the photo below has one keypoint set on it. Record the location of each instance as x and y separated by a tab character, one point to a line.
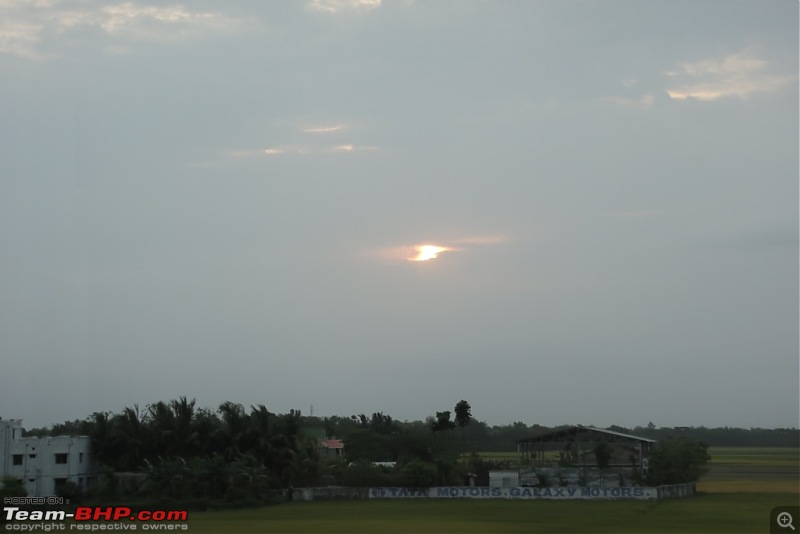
785	520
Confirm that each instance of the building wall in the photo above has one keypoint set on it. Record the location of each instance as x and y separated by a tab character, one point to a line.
503	479
44	463
10	430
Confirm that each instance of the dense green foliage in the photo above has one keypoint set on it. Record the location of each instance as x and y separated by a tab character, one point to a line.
231	453
602	452
483	437
676	461
11	487
200	454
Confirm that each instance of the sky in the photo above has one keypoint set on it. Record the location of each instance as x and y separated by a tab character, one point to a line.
575	212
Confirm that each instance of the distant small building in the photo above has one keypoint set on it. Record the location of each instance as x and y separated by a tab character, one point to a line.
503	479
43	464
332	448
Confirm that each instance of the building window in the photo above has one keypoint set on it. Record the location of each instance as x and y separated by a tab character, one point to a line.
17	459
80	457
31	456
61	457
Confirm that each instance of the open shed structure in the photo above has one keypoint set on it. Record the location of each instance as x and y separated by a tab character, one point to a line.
577	447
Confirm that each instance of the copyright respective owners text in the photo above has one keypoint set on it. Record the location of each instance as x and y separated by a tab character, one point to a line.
783	519
53	514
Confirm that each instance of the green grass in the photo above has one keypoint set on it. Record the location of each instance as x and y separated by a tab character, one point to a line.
752	469
741	512
756	456
742	486
748	485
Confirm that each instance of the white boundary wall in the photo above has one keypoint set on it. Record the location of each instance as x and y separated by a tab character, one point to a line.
526	493
482	492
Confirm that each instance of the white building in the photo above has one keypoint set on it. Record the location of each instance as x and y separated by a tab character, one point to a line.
42	464
503	479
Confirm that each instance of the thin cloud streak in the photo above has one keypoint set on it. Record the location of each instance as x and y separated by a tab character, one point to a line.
161	23
295	150
324	129
24	26
738	75
269	151
350	148
313	140
285	149
339	6
482	240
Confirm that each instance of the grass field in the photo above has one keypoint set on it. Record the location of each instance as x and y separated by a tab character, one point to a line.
752	469
740	489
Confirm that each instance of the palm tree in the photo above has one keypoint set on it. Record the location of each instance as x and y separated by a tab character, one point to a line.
161	422
184	432
234	426
99	430
261	436
132	436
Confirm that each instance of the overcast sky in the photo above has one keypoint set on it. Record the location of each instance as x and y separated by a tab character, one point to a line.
224	200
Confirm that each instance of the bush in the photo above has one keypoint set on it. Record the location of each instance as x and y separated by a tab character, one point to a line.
363	474
11	487
602	452
69	491
677	461
544	480
418	474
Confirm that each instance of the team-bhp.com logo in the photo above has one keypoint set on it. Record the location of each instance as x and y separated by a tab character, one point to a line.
94	518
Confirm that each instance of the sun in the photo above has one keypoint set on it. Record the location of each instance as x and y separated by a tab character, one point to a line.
428	252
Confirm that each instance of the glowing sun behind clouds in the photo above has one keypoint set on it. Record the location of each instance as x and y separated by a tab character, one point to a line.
428	252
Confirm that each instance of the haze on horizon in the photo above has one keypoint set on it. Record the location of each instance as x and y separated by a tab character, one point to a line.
220	201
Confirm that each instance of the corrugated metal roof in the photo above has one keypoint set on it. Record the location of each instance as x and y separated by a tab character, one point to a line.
575	430
620	434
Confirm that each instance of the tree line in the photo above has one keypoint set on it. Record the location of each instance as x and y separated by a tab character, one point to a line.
235	453
481	436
